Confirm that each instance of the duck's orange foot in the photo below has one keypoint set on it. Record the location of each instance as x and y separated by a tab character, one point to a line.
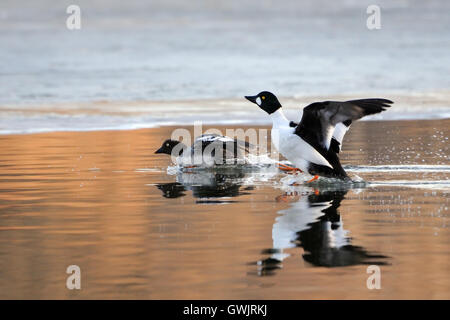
288	169
313	179
189	167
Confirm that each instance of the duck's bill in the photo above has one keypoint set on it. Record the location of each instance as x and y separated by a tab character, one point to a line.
251	98
160	150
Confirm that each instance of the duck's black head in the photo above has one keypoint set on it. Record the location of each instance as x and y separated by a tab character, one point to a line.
168	146
266	101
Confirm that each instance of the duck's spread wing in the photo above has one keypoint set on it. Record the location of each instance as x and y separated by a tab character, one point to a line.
320	119
338	135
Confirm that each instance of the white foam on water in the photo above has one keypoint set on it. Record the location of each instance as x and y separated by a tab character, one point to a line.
270	175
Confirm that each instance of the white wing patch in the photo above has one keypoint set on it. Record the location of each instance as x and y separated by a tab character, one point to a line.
211	138
339	133
327	138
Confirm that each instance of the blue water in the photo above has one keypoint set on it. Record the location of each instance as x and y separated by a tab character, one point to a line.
54	79
211	49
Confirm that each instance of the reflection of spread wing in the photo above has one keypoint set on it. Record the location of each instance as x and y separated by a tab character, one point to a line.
314	223
323	120
172	190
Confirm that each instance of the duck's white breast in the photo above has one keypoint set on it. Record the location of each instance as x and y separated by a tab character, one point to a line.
295	149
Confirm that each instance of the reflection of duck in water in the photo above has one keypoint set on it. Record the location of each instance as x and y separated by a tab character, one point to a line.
207	186
172	190
314	223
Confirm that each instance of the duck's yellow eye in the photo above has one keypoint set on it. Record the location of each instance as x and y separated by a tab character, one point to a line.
263	97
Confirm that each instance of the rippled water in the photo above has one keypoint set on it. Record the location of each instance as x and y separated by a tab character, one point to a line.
103	201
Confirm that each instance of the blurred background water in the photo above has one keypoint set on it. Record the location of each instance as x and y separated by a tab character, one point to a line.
196	50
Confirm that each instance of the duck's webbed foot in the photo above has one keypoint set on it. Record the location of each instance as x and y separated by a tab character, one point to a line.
288	169
313	179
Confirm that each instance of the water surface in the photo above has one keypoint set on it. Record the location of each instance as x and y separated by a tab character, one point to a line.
103	201
177	50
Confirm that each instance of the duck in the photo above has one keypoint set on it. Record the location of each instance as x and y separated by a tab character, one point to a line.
207	150
313	144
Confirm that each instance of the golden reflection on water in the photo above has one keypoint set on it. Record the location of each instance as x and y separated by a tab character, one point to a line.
104	201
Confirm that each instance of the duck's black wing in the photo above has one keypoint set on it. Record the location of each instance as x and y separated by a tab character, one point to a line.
231	147
336	143
320	119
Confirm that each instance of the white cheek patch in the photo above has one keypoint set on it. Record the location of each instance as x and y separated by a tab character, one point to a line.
258	101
